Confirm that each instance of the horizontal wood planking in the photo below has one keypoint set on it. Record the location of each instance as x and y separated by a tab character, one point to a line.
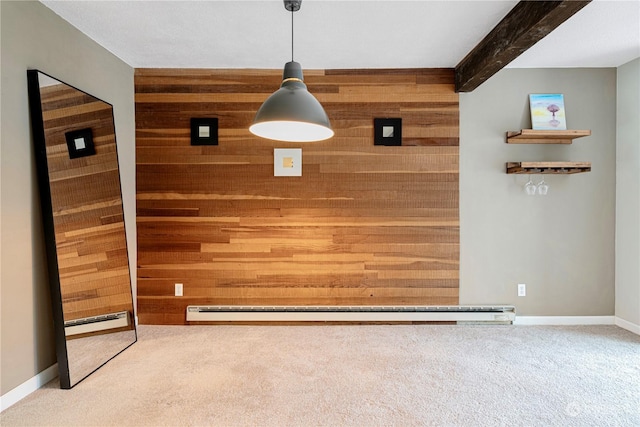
364	225
87	206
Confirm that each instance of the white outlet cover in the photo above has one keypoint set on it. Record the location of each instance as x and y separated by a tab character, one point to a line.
522	290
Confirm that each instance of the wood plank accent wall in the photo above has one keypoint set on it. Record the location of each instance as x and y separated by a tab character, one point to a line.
364	225
87	206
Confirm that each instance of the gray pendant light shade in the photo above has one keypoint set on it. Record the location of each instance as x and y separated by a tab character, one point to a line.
291	113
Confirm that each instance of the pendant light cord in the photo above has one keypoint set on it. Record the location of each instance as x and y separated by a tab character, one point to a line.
292	35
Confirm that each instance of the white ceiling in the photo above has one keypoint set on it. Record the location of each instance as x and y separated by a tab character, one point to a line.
341	34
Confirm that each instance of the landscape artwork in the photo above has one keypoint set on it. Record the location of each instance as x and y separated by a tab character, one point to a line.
547	111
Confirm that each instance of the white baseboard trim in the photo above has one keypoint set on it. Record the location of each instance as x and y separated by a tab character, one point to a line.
625	324
28	387
564	320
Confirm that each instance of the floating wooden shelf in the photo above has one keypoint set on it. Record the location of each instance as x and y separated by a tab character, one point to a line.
530	136
548	167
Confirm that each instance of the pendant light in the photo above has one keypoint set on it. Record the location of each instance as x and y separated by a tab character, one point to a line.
291	113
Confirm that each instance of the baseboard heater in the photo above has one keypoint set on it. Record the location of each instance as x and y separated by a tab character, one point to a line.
458	313
96	323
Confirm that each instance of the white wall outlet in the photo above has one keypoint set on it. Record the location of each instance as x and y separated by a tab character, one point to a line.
178	289
522	290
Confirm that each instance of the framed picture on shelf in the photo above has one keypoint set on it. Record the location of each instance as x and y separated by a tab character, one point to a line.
547	111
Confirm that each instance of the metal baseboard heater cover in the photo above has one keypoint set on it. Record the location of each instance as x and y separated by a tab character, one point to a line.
458	313
102	322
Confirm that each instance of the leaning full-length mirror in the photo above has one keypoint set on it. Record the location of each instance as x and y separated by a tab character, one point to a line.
79	180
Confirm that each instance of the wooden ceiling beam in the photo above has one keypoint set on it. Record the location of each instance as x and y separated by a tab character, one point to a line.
526	24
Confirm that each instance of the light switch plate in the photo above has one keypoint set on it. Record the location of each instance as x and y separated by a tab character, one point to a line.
178	291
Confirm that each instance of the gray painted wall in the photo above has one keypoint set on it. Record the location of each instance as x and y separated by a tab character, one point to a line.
560	245
628	194
32	36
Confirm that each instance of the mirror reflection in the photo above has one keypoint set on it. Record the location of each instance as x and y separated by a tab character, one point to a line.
79	180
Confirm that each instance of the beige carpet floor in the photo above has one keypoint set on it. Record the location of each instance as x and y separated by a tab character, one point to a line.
354	375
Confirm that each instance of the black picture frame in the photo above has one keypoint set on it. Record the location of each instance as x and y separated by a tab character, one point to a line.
387	131
80	143
204	131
